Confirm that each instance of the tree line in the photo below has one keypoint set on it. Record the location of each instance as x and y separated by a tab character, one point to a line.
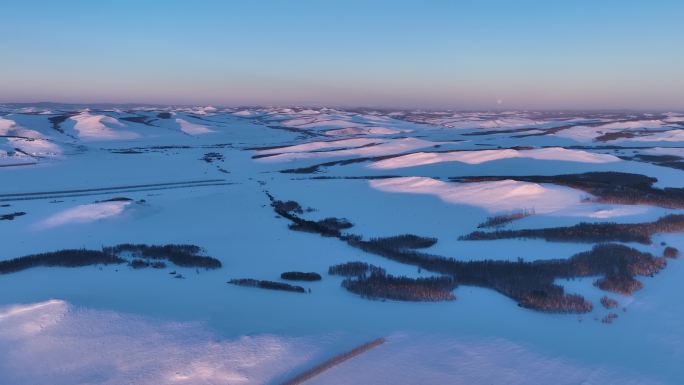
530	283
608	187
137	255
263	284
590	232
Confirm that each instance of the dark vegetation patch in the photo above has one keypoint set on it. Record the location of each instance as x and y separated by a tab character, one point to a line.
615	135
627	134
547	131
149	149
658	158
404	241
126	151
57	121
619	284
302	170
675	165
271	285
385	286
11	216
609	318
64	258
531	284
608	303
141	263
355	269
671	161
179	255
334	149
590	232
140	119
608	187
145	255
287	207
300	276
211	157
503	219
316	168
364	177
260	156
265	148
671	252
328	227
115	199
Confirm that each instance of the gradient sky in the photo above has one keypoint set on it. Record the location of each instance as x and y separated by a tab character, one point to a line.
458	54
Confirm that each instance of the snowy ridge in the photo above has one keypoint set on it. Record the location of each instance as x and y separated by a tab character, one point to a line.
477	157
506	195
84	214
100	127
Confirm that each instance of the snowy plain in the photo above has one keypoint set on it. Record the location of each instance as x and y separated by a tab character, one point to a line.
388	172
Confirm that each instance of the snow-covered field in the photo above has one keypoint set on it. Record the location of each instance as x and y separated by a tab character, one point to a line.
94	176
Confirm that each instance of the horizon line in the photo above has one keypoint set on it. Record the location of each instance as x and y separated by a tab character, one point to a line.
340	107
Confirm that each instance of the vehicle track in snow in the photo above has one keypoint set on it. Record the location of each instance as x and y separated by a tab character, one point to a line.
334	361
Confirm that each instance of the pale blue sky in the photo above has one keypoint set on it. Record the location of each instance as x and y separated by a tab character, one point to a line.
457	54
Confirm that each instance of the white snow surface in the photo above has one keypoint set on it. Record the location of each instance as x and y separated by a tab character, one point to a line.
76	345
497	196
8	158
482	156
5	125
100	127
29	141
640	128
84	214
81	345
359	148
193	128
427	359
114	324
632	124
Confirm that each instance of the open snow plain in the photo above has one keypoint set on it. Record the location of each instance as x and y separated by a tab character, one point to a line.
499	282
